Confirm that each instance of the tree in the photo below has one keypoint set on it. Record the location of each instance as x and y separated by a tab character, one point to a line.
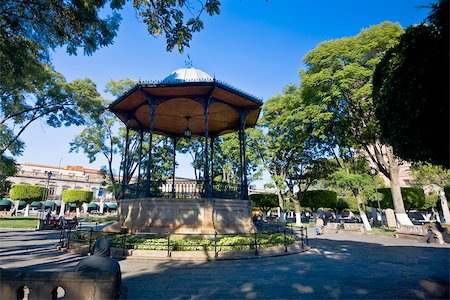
286	145
53	99
353	174
29	30
339	76
28	193
264	201
78	197
426	174
410	89
8	168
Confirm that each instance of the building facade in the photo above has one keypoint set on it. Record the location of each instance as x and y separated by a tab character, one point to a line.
58	179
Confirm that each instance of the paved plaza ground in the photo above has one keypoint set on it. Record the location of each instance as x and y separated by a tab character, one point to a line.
338	266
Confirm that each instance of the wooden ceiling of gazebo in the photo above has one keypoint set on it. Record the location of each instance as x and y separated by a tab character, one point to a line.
179	105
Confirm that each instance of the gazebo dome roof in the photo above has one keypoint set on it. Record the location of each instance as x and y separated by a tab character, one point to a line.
187	75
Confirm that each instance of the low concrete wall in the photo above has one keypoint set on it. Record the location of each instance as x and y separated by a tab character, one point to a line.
204	216
297	247
42	285
332	227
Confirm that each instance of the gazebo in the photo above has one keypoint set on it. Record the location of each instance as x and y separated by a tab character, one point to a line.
188	102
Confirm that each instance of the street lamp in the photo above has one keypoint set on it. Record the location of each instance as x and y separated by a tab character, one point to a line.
374	172
49	175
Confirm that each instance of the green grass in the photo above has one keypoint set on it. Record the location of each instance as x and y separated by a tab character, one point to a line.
379	231
18	222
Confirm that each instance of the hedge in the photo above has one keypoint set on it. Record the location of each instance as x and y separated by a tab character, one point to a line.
264	201
77	196
413	198
319	198
27	192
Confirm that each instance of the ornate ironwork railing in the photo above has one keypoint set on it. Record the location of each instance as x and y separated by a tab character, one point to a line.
199	189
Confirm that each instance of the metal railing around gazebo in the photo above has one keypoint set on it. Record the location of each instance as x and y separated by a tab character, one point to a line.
167	189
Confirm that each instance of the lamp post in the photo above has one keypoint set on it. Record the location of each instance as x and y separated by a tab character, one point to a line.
45	193
47	184
374	172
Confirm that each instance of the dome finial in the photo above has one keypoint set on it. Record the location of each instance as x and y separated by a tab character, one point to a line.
188	62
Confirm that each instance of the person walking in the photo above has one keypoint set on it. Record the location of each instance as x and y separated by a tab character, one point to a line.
319	226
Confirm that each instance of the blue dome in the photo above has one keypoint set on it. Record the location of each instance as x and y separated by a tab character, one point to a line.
187	75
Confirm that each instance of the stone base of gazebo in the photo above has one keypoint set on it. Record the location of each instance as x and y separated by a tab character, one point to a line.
186	216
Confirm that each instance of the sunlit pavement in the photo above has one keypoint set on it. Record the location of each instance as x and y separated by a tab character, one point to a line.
338	266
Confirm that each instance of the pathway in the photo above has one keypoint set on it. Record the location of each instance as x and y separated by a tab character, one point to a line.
339	266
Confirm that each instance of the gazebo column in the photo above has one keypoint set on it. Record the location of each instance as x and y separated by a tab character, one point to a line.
243	156
125	160
206	166
212	159
141	139
150	145
174	165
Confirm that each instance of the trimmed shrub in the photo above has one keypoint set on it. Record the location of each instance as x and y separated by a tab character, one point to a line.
413	198
319	198
77	196
27	192
264	201
224	243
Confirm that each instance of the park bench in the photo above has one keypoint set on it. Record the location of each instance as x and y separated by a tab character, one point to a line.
19	284
355	227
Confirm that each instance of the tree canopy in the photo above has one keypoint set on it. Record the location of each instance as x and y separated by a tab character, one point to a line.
411	91
264	201
338	77
319	198
77	196
414	198
27	192
30	30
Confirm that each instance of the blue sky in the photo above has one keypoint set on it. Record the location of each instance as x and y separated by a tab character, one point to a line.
255	45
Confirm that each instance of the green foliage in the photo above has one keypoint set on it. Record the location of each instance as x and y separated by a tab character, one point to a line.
427	174
287	142
338	78
411	91
30	89
431	201
77	196
194	243
319	198
346	203
8	168
264	201
50	98
413	198
27	192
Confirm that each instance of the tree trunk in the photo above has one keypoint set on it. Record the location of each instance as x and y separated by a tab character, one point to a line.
280	205
78	212
397	199
62	209
444	205
362	212
27	210
298	213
